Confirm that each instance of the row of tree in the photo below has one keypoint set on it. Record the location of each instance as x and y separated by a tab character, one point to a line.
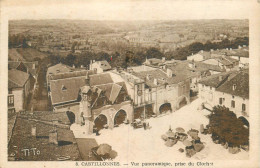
136	56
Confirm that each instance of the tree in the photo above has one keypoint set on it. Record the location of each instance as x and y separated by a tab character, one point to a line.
154	53
70	59
227	127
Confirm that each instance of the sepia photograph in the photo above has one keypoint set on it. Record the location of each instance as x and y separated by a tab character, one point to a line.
115	84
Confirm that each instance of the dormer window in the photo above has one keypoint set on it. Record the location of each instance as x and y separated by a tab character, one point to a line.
63	88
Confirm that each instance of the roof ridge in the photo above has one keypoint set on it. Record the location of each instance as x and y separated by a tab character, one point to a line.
15	82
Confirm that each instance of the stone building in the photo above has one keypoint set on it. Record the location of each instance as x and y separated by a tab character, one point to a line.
18	90
99	66
229	89
156	89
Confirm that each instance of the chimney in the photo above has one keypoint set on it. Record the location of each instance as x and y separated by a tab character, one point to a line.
234	87
34	131
53	137
169	73
163	59
155	81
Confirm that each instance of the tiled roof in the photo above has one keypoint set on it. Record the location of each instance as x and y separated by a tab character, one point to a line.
99	79
214	80
17	78
58	68
200	66
65	90
238	52
29	65
71	74
161	77
241	81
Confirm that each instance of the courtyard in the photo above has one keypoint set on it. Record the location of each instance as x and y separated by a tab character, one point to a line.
146	145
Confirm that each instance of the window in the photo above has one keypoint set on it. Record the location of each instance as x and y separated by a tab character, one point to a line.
11	100
233	104
243	107
220	101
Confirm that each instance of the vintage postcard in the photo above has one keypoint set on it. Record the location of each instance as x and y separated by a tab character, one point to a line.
130	83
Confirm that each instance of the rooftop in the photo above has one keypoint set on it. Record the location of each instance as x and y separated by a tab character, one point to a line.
241	82
104	65
58	68
22	139
161	77
17	78
65	90
224	82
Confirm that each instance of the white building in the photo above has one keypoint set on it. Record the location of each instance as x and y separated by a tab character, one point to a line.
99	66
229	89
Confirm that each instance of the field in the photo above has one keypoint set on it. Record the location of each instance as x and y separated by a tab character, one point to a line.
28	54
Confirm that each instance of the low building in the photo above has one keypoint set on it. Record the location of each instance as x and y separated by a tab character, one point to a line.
104	103
107	100
56	69
154	62
63	89
223	62
157	90
200	56
28	67
18	90
229	89
99	66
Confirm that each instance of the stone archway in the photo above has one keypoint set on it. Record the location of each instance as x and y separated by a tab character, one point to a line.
164	108
120	117
244	121
100	121
71	116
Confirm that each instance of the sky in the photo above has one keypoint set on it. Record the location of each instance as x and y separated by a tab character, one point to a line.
126	9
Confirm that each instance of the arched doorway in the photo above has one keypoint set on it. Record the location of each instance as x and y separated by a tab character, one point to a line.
164	108
244	121
183	102
100	121
120	117
71	116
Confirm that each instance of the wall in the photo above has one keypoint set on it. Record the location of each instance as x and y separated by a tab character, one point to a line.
238	103
95	65
18	99
196	57
207	94
73	107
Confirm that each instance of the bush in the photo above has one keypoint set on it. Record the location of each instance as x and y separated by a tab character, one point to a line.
226	127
